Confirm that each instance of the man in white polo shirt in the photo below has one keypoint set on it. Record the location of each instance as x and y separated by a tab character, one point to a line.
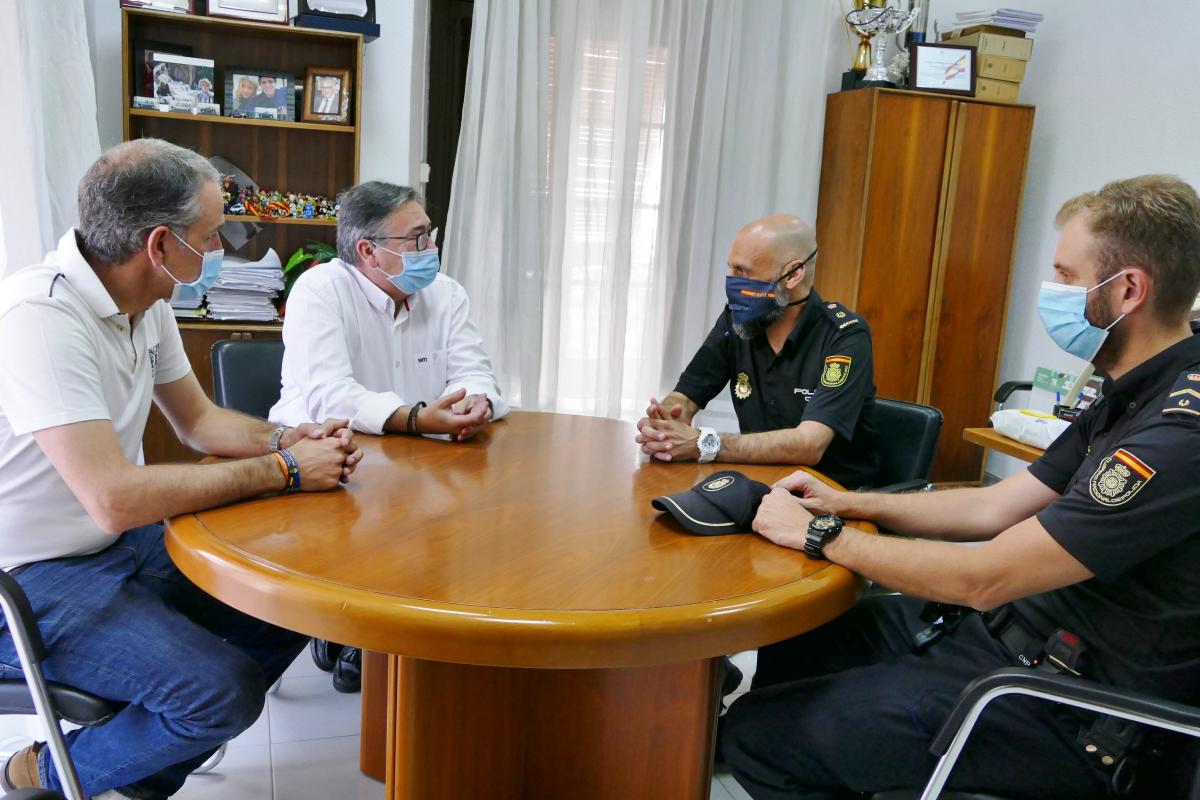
379	336
86	342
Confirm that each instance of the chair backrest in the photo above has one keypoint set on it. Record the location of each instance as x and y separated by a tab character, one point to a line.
246	374
908	438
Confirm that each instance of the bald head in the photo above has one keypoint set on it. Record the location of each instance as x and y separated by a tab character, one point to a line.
766	248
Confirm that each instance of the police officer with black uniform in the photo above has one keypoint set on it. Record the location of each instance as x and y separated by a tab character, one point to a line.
800	367
1089	562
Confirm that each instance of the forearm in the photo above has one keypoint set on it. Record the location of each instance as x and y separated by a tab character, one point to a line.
960	515
222	432
944	572
690	409
141	495
788	446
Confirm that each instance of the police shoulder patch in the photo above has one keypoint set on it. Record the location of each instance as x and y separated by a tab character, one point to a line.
1118	478
835	371
1184	398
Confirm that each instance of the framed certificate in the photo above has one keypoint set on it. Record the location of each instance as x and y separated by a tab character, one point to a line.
255	10
944	68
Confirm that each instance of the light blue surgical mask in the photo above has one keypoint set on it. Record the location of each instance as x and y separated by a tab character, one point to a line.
1063	310
210	270
420	268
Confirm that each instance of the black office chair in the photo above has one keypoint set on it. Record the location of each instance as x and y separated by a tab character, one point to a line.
246	374
908	439
1181	779
50	702
1007	389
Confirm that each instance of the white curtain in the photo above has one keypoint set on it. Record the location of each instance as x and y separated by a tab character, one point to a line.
609	152
49	135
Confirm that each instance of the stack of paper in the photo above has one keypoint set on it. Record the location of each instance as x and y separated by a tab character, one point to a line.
1014	18
246	290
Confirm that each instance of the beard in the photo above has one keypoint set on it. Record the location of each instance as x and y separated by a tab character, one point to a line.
755	327
1098	313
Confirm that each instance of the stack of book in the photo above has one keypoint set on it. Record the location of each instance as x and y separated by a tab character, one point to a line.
247	290
1003	42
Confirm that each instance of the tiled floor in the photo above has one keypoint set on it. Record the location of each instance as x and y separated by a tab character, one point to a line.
305	747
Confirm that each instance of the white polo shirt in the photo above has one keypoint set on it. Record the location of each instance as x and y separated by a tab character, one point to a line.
348	355
67	355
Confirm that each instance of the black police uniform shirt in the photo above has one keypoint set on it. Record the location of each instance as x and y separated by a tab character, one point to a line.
824	372
1129	473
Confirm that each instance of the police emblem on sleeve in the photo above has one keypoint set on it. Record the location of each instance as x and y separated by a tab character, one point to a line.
836	370
741	389
1118	478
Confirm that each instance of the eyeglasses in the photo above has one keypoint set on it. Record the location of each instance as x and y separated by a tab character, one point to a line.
421	241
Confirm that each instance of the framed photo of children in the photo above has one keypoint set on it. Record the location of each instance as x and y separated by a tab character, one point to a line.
327	95
260	94
942	68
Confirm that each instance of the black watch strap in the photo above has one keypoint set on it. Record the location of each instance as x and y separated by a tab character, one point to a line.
821	531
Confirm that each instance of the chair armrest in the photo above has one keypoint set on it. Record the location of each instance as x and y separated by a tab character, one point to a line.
914	485
1008	387
1071	691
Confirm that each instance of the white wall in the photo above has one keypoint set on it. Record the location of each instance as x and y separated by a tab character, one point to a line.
393	93
1115	92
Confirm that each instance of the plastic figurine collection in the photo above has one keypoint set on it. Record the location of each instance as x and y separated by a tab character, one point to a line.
275	204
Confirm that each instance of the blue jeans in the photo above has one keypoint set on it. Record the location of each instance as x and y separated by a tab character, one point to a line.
126	625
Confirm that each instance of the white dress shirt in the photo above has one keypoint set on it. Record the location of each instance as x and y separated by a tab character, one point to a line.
329	105
68	355
348	355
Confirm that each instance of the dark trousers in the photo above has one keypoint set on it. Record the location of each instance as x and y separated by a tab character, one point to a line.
850	708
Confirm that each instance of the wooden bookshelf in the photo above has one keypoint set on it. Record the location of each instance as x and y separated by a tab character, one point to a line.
279	220
288	156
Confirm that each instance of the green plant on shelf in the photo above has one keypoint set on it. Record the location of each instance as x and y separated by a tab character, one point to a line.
302	260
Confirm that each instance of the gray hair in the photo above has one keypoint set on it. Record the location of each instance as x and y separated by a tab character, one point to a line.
132	189
362	210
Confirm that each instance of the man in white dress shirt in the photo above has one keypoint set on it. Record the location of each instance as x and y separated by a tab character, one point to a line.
380	337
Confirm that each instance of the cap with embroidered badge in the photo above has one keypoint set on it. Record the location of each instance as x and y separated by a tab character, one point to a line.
724	502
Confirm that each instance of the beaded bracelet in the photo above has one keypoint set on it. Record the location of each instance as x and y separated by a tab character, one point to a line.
412	417
293	471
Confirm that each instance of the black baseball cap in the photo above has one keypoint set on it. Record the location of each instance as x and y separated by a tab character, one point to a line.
724	502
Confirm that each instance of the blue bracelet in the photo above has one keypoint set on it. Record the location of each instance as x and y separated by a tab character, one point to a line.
293	471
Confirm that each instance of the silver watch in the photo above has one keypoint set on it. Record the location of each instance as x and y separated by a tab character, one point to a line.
276	435
709	444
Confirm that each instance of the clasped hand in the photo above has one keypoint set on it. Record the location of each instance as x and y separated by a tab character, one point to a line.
325	452
664	437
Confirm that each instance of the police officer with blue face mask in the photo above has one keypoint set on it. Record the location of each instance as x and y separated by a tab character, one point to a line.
800	368
1088	561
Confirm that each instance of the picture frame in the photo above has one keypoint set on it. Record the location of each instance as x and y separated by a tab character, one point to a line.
181	82
254	93
327	92
171	6
273	11
143	69
942	68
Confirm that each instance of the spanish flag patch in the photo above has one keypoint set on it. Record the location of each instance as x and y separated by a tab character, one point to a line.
1118	478
836	370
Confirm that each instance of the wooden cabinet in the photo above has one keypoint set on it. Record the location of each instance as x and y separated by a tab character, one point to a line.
160	445
917	223
303	157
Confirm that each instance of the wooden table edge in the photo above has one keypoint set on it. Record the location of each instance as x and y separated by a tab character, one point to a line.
508	637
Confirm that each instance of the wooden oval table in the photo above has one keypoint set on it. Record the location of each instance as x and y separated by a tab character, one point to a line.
552	634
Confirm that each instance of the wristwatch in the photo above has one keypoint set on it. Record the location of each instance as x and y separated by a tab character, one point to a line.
821	531
276	435
709	444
